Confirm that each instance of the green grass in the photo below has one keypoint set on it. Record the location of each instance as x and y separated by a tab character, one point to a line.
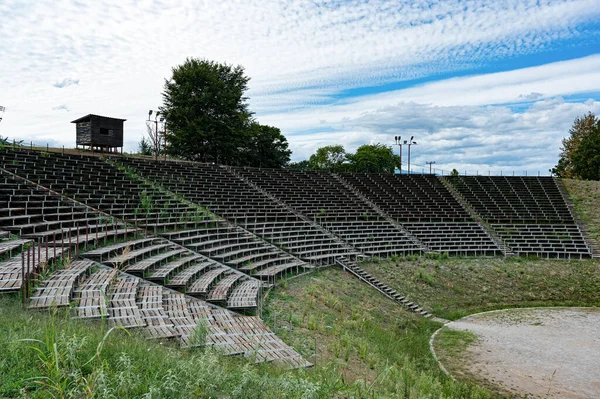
376	347
455	287
451	349
381	352
46	355
586	198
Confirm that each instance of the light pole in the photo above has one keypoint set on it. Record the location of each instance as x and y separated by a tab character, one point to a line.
430	163
156	139
399	144
410	142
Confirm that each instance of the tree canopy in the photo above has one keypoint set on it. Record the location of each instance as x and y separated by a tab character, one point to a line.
330	158
208	118
372	158
585	159
578	151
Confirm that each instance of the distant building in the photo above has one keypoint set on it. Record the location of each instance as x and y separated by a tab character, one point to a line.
100	133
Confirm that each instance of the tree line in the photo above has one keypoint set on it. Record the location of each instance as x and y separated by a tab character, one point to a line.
208	120
580	151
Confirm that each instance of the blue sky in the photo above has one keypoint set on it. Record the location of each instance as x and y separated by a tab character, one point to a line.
482	85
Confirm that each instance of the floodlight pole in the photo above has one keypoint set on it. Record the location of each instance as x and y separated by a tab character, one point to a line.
430	163
399	144
410	142
156	139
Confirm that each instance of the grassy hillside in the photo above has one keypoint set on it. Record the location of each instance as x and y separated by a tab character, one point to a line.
52	356
586	198
366	347
455	287
375	347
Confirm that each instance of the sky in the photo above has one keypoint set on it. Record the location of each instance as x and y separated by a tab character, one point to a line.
484	86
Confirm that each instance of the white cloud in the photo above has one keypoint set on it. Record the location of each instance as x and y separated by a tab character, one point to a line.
111	58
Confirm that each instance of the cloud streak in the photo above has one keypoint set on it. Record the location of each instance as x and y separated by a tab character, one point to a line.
303	57
66	83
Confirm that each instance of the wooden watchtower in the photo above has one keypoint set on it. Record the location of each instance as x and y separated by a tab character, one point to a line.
100	133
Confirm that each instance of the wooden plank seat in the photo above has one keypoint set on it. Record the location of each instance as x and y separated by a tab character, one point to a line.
191	273
7	247
108	251
244	295
126	257
91	294
154	261
273	271
202	285
176	308
172	267
249	265
123	310
237	252
150	303
10	280
57	290
221	289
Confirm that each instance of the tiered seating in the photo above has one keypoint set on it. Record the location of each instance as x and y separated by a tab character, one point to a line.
25	265
426	209
321	197
150	302
224	194
501	199
92	295
33	213
97	291
175	266
239	249
58	289
102	186
528	213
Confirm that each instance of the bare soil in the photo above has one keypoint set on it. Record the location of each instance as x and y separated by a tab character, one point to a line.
535	353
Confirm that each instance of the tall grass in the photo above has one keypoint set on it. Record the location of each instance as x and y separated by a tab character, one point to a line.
50	355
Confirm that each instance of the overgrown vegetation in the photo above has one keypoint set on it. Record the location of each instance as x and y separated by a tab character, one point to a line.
586	198
454	287
377	348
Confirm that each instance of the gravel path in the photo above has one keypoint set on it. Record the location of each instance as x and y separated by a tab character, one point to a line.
536	351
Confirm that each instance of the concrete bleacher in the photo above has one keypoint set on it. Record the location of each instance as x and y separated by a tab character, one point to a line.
230	197
240	249
529	214
427	210
323	199
102	186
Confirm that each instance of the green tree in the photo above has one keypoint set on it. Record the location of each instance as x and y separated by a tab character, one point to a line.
207	112
454	173
144	147
330	158
374	158
266	147
582	127
301	165
585	159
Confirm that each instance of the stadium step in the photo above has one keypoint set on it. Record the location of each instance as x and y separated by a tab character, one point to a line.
357	271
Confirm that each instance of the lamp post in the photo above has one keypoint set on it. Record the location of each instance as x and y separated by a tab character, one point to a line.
156	139
399	144
430	163
410	142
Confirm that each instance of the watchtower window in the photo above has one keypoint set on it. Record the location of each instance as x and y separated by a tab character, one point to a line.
106	132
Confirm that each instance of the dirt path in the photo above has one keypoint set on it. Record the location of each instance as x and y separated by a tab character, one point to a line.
536	351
